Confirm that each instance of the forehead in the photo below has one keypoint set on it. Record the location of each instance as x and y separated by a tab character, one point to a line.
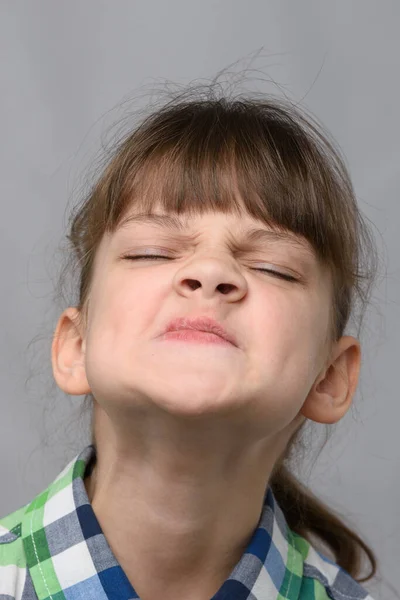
245	227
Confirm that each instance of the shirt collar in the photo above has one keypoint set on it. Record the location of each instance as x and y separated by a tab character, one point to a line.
67	550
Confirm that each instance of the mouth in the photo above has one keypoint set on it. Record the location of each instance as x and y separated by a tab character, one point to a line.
196	336
201	329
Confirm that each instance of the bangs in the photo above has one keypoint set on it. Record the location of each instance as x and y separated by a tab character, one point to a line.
227	160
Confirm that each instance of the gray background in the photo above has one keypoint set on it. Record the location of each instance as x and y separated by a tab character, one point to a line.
65	67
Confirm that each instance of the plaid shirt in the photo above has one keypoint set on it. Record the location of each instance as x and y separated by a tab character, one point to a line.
53	548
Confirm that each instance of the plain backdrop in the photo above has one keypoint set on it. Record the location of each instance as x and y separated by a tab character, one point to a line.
65	69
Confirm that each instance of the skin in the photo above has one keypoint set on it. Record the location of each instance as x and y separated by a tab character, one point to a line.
188	433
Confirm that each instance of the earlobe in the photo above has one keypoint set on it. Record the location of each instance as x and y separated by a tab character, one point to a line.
68	355
332	393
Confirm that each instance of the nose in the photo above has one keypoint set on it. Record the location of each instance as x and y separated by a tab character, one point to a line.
207	277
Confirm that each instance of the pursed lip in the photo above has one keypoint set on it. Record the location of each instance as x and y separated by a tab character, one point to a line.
201	324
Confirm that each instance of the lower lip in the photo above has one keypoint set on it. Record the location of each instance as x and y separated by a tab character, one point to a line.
191	335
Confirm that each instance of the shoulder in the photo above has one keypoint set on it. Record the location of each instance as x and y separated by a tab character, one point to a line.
324	579
14	574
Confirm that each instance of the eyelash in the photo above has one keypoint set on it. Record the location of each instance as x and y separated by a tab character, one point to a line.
155	256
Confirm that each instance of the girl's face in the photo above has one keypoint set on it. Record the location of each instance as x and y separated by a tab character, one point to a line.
207	268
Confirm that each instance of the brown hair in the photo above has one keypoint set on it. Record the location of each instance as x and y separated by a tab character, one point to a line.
202	150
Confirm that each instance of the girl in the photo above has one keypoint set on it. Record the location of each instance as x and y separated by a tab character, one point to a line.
220	254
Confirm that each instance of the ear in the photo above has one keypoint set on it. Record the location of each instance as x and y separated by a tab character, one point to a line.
68	355
333	390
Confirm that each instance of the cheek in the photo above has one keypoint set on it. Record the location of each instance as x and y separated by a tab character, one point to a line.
125	308
123	316
281	317
287	336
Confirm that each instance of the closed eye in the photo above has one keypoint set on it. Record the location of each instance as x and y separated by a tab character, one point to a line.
278	274
147	256
156	256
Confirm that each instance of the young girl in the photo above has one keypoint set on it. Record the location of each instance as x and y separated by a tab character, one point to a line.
220	254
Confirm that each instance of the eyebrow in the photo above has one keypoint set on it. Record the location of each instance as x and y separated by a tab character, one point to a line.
252	235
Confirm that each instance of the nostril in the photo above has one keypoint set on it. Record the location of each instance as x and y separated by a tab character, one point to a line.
225	288
194	284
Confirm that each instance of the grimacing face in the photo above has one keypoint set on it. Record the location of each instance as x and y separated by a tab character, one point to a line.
280	325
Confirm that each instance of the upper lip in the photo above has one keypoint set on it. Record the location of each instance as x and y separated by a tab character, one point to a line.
203	323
